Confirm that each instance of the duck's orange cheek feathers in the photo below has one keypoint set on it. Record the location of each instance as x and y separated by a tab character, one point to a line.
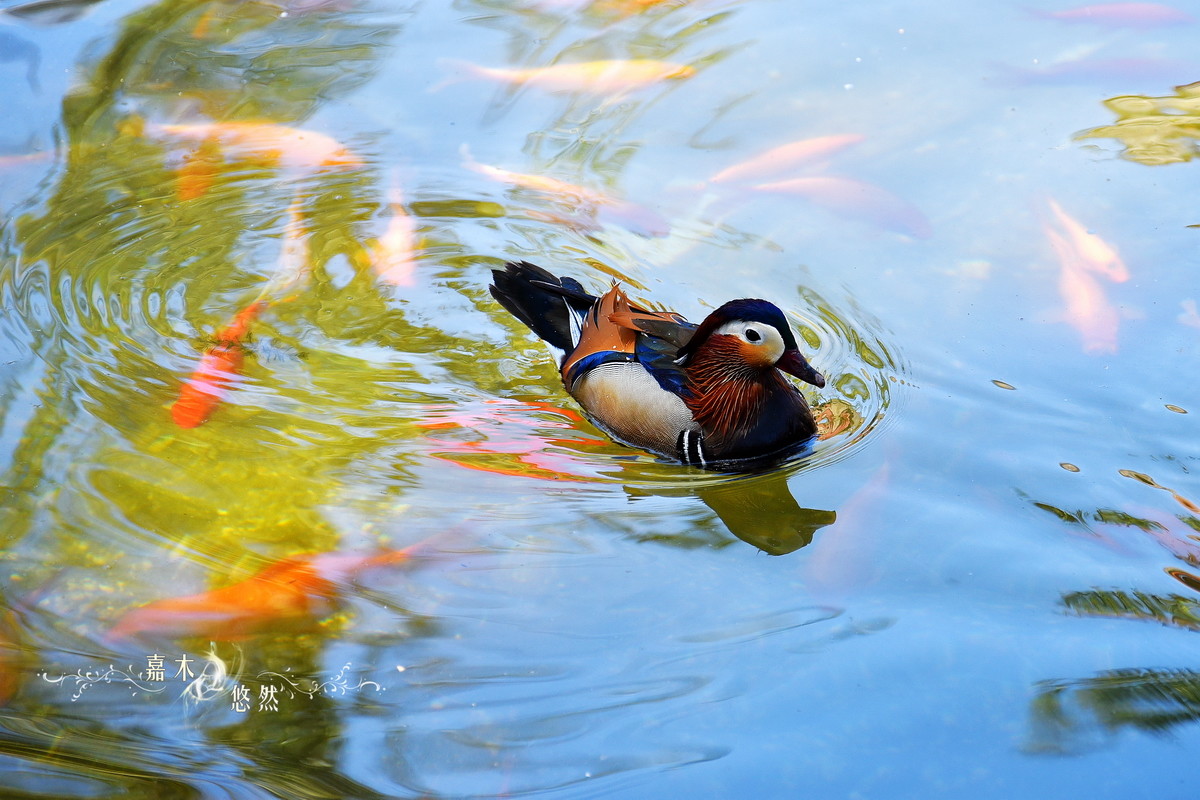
733	352
755	355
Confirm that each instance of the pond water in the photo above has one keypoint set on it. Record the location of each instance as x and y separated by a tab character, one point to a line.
383	555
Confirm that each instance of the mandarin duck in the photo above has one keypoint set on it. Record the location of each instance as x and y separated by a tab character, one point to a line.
711	395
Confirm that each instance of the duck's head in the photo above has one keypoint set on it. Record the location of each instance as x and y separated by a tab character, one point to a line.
751	334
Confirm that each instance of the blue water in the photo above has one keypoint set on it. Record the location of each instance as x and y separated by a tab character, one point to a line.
965	592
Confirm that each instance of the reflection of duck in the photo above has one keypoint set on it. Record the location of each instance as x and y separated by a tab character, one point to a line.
709	395
765	514
758	508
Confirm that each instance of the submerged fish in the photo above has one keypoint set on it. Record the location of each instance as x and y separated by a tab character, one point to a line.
1109	71
601	77
622	8
1082	257
1190	315
295	265
393	255
198	172
1087	307
584	201
292	590
1093	253
218	368
292	148
508	438
793	155
539	183
848	557
856	200
209	383
1120	15
627	7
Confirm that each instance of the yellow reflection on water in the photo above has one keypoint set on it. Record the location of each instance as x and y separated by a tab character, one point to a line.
1154	130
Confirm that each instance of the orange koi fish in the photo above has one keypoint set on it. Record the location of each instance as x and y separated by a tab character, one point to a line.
297	589
393	255
209	383
1094	254
583	200
599	77
292	148
786	157
1121	15
856	200
199	170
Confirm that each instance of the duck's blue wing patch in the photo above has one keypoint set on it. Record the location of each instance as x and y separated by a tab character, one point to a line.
658	357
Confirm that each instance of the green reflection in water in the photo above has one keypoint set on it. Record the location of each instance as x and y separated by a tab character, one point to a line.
1172	609
1072	715
1154	130
1108	516
115	268
118	283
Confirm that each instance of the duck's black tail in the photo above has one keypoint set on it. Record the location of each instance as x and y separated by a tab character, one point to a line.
550	306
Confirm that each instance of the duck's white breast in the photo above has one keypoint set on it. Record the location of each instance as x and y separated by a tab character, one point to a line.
625	399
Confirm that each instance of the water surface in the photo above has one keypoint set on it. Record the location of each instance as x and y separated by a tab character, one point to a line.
981	579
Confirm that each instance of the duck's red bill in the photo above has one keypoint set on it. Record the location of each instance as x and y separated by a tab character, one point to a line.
795	364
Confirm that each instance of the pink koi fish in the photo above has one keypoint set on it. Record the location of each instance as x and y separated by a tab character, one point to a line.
785	157
856	200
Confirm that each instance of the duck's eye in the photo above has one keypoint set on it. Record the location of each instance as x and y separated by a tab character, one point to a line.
753	335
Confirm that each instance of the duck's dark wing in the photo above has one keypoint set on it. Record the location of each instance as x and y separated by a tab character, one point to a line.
593	330
550	306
